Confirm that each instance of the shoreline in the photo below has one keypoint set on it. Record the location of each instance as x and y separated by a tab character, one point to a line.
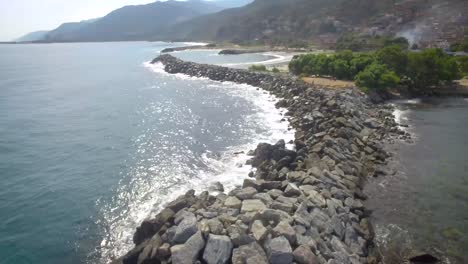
304	204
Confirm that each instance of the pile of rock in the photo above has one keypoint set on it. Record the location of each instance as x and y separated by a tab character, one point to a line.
302	205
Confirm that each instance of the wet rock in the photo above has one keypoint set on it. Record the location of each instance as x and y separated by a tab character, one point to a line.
132	256
188	252
217	187
150	227
279	250
148	254
218	249
246	193
186	228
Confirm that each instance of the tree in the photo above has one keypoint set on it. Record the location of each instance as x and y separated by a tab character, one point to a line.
360	62
429	67
394	57
341	69
377	76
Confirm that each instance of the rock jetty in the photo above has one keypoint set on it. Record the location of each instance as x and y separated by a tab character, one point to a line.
298	206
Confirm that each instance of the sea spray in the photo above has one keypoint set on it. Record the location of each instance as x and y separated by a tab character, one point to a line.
141	199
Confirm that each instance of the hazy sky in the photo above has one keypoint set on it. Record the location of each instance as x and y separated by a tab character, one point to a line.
18	17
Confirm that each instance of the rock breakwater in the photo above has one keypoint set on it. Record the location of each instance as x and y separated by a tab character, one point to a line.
298	206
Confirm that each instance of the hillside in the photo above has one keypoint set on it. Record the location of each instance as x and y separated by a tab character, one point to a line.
140	22
33	36
324	21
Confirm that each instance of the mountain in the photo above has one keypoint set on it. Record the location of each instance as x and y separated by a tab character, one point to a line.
33	36
139	22
232	3
66	30
324	21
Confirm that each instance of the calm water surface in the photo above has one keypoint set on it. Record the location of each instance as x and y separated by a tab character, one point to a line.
424	207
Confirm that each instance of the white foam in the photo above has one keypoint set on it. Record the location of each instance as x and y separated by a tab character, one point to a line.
144	199
195	43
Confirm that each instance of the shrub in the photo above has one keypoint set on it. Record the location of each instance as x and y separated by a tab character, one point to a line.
430	67
258	68
463	65
461	46
376	76
394	57
275	70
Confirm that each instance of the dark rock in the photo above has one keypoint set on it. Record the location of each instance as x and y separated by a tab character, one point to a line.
423	258
218	249
188	252
279	251
185	229
132	256
303	255
150	227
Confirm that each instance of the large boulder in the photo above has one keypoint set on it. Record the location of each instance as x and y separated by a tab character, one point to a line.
252	206
188	252
233	202
277	152
218	249
279	250
185	229
150	227
252	253
303	255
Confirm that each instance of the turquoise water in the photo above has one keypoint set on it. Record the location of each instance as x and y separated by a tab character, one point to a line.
424	207
93	140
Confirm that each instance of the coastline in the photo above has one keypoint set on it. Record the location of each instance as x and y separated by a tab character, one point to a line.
304	205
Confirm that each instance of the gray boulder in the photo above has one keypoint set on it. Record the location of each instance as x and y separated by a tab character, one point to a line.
252	206
188	252
186	228
246	193
218	249
279	250
249	254
303	255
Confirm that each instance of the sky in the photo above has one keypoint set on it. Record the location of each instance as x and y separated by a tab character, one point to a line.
19	17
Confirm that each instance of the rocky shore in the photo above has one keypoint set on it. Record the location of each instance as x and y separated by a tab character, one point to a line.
298	206
168	50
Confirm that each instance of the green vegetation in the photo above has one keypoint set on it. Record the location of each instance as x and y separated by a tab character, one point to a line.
263	68
377	76
258	68
354	42
463	65
385	68
452	233
461	46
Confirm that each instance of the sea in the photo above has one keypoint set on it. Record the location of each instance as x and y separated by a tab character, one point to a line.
94	139
422	205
